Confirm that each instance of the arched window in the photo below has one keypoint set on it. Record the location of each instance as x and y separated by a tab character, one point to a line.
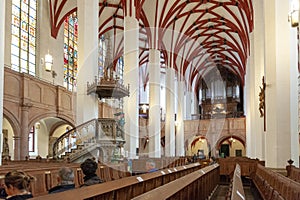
23	40
70	51
120	68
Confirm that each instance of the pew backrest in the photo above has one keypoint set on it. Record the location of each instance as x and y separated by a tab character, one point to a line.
125	188
237	192
196	185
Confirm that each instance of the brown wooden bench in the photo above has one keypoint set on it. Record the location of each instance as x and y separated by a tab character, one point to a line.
293	173
272	185
45	174
248	166
237	190
125	188
196	185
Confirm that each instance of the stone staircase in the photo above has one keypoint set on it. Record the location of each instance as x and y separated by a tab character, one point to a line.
98	138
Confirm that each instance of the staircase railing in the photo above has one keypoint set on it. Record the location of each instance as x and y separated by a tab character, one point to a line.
85	132
88	133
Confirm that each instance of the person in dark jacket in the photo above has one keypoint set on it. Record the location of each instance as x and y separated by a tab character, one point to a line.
65	181
17	185
89	168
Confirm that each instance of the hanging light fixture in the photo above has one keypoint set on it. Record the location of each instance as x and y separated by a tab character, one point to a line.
232	139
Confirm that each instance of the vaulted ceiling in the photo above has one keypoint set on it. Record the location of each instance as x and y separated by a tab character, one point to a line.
194	36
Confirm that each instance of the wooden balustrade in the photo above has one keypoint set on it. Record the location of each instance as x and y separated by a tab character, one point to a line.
196	185
130	187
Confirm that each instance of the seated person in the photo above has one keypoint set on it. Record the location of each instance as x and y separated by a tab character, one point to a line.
201	155
150	166
89	168
65	180
17	184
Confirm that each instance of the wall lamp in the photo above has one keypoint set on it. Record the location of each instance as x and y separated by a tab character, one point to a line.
293	16
48	62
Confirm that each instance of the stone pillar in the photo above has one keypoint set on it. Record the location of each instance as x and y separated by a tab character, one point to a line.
17	150
87	59
278	144
24	131
294	99
2	31
131	77
179	120
170	113
194	104
255	135
154	104
188	105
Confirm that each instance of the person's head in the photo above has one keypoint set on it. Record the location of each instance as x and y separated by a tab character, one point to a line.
89	167
65	176
150	165
17	182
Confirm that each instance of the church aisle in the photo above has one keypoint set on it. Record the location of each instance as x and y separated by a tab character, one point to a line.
222	190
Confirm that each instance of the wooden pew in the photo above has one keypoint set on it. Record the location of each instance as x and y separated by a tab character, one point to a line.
196	185
272	185
125	188
248	166
237	190
45	174
293	173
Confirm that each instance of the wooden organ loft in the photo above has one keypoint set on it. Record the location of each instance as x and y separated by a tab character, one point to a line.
220	95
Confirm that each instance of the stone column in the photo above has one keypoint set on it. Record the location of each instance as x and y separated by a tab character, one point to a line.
194	104
24	131
294	98
131	77
17	150
87	59
179	120
279	131
253	80
188	105
2	31
170	113
154	104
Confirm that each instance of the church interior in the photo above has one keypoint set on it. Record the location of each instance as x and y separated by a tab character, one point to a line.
205	90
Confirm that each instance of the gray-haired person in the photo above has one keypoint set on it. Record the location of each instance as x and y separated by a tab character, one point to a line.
65	180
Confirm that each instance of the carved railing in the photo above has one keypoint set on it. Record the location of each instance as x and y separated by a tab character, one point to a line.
108	88
102	131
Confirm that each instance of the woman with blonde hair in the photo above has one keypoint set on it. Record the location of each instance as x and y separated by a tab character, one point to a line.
17	184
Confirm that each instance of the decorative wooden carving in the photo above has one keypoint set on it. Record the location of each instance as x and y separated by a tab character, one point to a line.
108	86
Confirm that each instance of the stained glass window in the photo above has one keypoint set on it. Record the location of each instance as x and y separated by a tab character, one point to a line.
120	68
102	54
70	51
23	30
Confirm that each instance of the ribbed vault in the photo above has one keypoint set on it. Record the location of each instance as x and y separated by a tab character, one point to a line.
193	36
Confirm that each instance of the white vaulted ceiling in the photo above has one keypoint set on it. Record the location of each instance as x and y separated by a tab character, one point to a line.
193	35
